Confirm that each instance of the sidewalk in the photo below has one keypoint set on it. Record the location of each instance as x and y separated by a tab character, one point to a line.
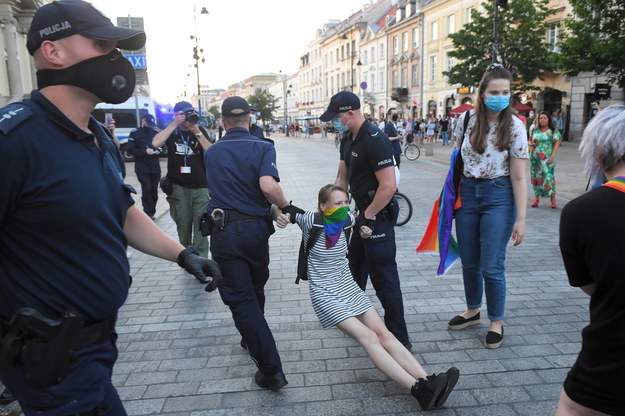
180	353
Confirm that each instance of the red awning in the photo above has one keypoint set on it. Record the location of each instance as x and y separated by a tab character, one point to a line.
461	109
522	108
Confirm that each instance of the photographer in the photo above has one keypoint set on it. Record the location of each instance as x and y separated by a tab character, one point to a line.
186	176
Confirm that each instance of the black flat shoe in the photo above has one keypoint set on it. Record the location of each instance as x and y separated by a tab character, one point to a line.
453	374
273	382
459	322
6	397
493	339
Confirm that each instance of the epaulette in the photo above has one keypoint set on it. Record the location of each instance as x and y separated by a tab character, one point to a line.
12	115
375	132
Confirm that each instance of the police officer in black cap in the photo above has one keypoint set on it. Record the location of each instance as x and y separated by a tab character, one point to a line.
366	164
243	179
255	129
147	165
66	218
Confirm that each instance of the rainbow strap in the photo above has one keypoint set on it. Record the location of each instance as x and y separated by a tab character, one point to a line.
334	220
618	183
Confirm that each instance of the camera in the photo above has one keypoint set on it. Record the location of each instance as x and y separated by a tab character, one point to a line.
191	116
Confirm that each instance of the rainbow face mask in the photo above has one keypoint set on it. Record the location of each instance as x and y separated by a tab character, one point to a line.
334	220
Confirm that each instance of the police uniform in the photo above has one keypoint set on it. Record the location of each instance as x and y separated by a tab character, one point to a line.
369	152
234	166
147	167
63	205
185	169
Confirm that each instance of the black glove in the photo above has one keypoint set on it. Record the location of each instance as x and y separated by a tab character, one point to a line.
204	270
361	220
292	210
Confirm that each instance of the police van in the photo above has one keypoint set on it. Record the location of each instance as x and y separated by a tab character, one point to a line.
127	116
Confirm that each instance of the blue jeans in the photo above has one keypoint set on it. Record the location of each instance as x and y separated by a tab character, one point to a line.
445	137
484	226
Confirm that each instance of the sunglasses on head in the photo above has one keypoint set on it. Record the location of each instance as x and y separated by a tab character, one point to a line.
493	67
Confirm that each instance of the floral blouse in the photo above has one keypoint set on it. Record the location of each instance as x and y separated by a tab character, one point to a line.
492	163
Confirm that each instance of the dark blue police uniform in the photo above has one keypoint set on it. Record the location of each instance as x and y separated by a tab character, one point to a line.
369	152
391	131
234	166
63	204
255	130
147	167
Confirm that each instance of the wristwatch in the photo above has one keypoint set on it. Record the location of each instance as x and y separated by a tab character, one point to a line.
198	135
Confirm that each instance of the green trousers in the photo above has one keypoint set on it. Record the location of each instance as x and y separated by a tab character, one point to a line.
186	205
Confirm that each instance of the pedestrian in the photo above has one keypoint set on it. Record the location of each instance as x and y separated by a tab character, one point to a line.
366	165
339	301
444	130
544	143
591	243
186	143
391	132
493	190
147	165
431	130
243	180
255	130
67	217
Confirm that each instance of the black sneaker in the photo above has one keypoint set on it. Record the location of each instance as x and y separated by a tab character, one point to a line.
427	390
453	374
459	322
273	382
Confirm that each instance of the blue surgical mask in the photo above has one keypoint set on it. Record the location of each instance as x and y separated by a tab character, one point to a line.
338	126
497	103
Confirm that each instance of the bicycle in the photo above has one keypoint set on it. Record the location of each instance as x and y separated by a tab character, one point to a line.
405	209
411	150
337	139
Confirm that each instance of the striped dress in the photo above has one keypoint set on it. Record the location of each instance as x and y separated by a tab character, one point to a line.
333	291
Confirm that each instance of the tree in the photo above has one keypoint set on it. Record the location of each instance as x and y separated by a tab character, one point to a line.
214	111
594	39
521	38
264	102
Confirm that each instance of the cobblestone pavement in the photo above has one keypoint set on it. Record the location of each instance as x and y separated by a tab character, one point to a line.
180	353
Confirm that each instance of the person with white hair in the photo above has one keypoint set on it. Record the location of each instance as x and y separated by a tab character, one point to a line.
591	242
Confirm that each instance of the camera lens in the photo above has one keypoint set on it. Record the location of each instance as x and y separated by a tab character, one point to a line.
191	116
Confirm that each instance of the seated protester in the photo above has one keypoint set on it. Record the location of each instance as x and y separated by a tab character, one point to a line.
338	300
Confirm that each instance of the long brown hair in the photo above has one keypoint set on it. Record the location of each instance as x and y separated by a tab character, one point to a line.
504	121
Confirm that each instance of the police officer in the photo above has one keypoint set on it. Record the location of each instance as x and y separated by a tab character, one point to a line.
186	142
255	129
147	166
366	164
242	177
66	218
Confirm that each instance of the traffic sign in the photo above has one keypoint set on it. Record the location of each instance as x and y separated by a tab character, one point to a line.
137	61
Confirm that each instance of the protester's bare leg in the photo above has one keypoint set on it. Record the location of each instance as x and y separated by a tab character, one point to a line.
380	357
567	407
396	349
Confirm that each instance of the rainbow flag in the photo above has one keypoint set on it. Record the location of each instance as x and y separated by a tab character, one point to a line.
438	238
618	183
334	219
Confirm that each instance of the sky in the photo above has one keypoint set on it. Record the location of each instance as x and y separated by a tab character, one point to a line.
240	38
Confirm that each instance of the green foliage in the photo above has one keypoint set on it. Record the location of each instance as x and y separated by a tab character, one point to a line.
264	102
594	39
214	111
521	38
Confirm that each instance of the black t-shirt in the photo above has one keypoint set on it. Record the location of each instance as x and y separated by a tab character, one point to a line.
185	152
444	124
368	153
139	141
592	245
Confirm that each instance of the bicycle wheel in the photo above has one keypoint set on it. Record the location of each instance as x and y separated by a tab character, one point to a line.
405	209
412	151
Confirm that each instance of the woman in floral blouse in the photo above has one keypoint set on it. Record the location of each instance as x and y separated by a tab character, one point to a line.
493	190
544	144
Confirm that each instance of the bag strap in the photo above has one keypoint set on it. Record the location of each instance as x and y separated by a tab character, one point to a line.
467	117
315	231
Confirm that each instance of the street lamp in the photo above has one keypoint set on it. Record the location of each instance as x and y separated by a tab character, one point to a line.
285	95
197	57
496	4
352	54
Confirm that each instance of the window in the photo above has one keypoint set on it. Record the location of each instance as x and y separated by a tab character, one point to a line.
394	79
449	62
347	54
451	24
433	31
433	68
415	38
553	37
372	86
327	92
404	42
415	75
395	46
337	55
404	77
342	52
364	57
382	84
372	54
467	15
381	51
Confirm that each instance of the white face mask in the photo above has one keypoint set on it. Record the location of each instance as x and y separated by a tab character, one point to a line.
253	118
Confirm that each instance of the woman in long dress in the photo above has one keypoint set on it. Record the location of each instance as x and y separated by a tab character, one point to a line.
544	143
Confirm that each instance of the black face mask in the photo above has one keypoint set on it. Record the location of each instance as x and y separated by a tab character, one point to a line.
395	117
110	77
